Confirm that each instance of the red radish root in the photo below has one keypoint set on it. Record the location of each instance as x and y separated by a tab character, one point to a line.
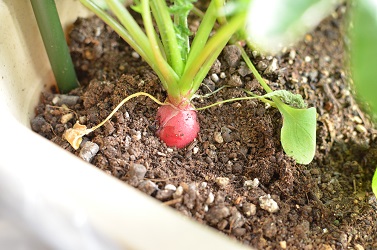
177	127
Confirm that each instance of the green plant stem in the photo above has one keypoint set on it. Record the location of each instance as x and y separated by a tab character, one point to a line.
168	74
56	47
201	37
193	76
168	37
280	105
131	32
254	70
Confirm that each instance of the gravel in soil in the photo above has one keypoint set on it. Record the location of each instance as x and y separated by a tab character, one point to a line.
235	177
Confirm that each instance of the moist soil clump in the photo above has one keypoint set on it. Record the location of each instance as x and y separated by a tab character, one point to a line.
235	177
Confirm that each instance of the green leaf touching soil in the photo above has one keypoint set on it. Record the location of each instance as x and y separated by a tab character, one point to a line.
374	183
298	134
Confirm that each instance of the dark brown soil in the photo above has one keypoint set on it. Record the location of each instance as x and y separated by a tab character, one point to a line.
327	204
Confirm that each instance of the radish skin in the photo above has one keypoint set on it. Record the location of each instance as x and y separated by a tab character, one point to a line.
177	127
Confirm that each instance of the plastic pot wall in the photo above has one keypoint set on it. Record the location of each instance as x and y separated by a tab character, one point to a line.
50	198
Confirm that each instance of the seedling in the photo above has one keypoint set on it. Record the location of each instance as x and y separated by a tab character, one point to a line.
181	67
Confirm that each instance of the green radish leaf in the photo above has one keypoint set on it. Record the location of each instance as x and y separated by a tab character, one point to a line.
294	100
274	24
374	183
180	11
298	134
363	48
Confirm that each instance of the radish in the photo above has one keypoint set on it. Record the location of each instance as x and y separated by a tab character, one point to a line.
180	65
177	127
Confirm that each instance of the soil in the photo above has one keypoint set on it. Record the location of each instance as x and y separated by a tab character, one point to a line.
235	177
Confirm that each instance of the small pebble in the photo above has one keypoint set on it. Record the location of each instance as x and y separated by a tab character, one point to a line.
216	214
222	225
164	195
218	137
239	231
178	193
170	187
88	151
215	77
136	136
283	244
361	129
255	53
216	67
236	219
222	181
357	119
210	198
82	119
37	123
251	183
206	208
272	67
308	38
134	54
137	170
69	100
195	150
268	204
232	55
261	65
222	75
308	59
244	70
226	134
235	81
249	209
270	230
161	154
208	86
204	184
148	187
292	54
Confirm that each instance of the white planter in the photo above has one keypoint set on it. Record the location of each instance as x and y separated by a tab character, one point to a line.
64	202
